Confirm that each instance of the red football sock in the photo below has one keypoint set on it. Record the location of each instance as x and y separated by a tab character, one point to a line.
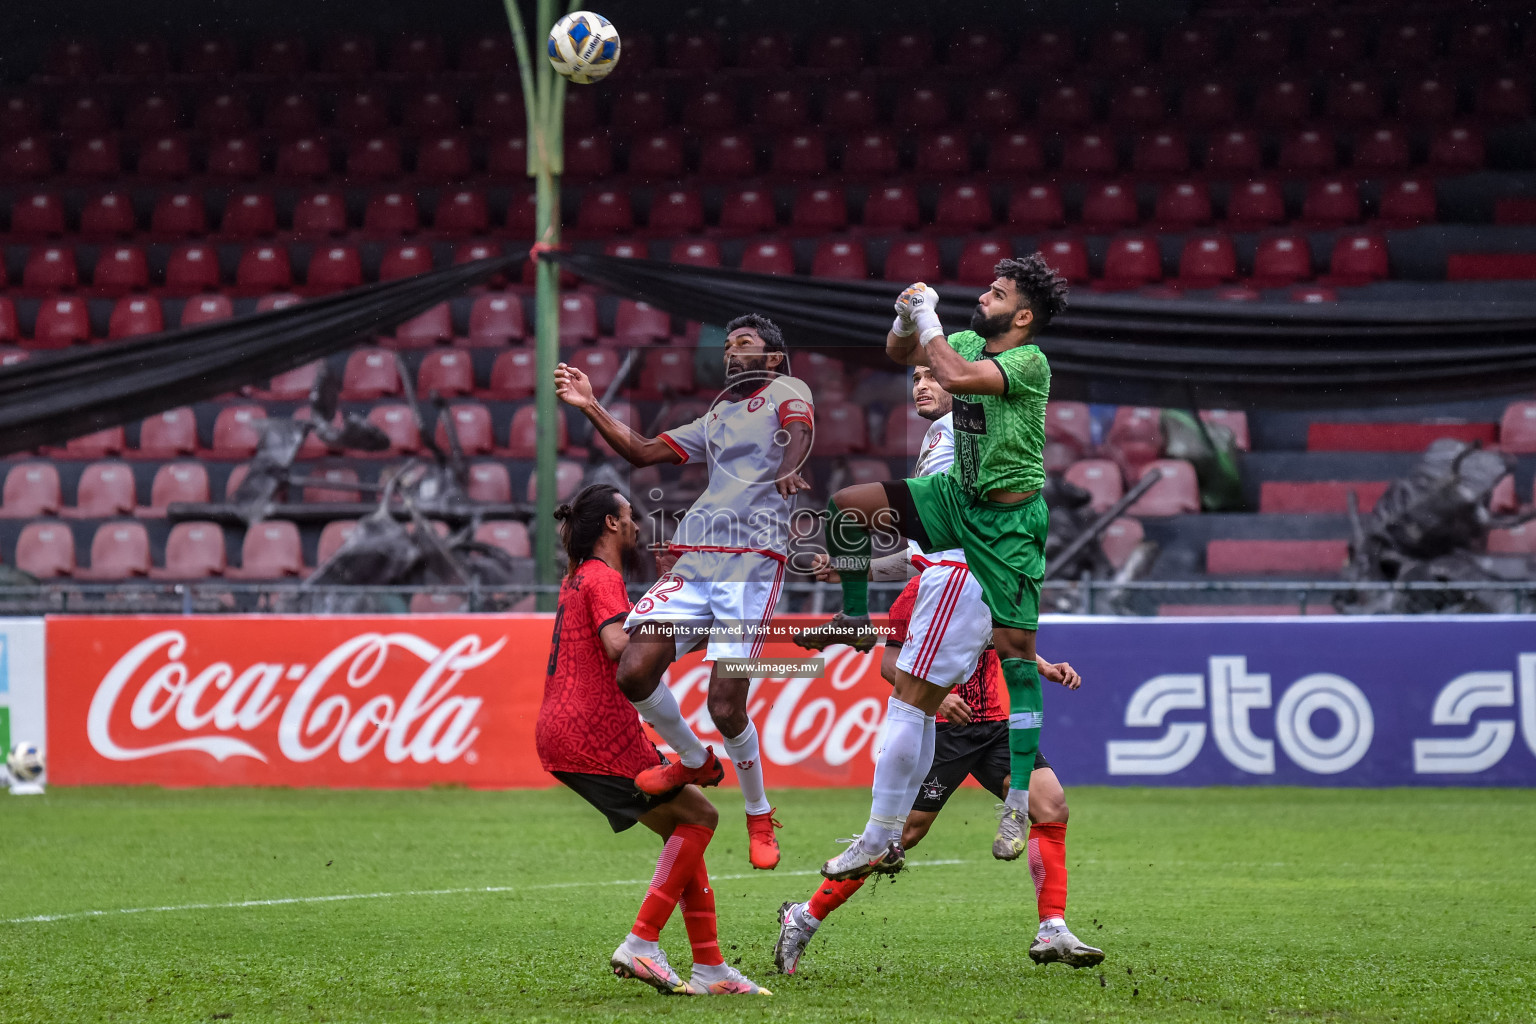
680	860
1048	867
698	907
831	895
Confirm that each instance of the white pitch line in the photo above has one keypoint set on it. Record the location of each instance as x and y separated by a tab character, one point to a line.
347	897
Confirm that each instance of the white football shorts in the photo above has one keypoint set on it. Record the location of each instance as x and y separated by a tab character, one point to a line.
950	626
727	595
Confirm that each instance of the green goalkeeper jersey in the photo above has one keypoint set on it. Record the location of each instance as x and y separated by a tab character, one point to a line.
1000	439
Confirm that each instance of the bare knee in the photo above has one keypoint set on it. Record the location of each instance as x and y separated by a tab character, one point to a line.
729	714
694	808
640	669
1048	809
915	829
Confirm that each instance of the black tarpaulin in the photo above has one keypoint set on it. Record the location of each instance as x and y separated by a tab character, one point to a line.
1135	350
53	397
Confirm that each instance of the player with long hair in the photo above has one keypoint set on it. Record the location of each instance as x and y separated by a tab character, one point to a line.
589	737
732	546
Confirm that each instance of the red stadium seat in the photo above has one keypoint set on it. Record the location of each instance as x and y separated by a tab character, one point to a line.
904	430
1517	430
1409	42
1100	478
1131	261
1504	97
292	386
908	49
1284	101
320	213
234	157
640	109
748	211
800	154
249	215
510	536
507	156
178	215
605	212
893	207
1517	540
351	56
431	111
31	489
1208	104
678	212
523	437
977	259
697	253
637	323
391	213
1109	207
1177	493
1120	47
472	426
176	482
921	106
1358	258
1479	39
783	107
1236	151
666	372
1070	423
976	50
109	215
1139	103
206	309
20	114
1270	557
37	215
121	269
1429	100
96	445
462	212
849	108
1120	539
61	321
166	157
581	111
943	153
1317	497
489	482
264	268
1338	44
1135	437
1161	153
1068	256
46	550
95	157
1207	260
1016	153
10	331
728	155
237	431
333	537
819	210
1457	148
1091	153
768	257
1234	420
1382	149
588	156
1036	208
1309	151
135	315
1281	260
710	109
1407	203
496	318
270	550
916	259
333	269
447	372
1255	204
399	424
659	155
50	268
835	50
870	153
370	373
293	113
425	329
444	156
840	259
841	428
406	260
106	490
27	158
417	55
1263	44
963	208
1354	100
1182	204
307	157
511	376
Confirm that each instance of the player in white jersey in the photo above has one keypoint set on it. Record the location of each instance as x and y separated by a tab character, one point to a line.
732	547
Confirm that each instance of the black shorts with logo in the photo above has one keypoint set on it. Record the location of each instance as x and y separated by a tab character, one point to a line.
621	803
980	750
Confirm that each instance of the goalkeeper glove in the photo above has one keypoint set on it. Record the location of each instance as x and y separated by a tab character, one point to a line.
918	305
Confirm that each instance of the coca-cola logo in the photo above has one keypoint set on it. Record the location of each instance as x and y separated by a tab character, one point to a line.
338	704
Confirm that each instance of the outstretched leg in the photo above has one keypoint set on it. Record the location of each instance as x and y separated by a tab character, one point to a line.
853	515
641	667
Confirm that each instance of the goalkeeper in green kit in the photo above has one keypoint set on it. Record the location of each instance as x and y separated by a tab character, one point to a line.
989	504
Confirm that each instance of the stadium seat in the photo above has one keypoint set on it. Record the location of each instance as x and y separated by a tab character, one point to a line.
295	385
370	373
50	268
780	108
120	269
1354	100
903	432
1478	40
37	215
165	157
495	319
728	155
840	259
1457	148
658	155
1119	539
976	51
331	484
977	259
868	471
748	211
892	208
962	209
523	435
622	411
1318	497
307	158
605	212
333	269
696	253
1504	98
1090	154
249	214
637	323
399	424
1122	47
391	213
1181	205
263	269
800	154
1131	261
96	157
419	55
1255	204
1177	493
349	56
1036	208
333	537
568	477
1358	258
61	321
1100	478
1015	153
205	309
578	318
1281	260
472	426
1138	103
374	157
677	212
640	109
1393	437
915	259
1069	256
447	372
1338	44
1234	420
46	550
1517	430
581	112
870	153
510	536
1309	151
506	155
841	428
830	375
461	212
107	216
906	48
26	159
848	109
135	315
1270	557
1517	540
1070	423
406	260
1236	151
118	551
1283	101
293	113
511	376
1165	152
176	482
237	431
835	50
819	211
1065	106
270	550
106	489
943	153
1207	260
489	482
921	106
99	444
666	372
1135	437
1208	104
31	489
1407	203
710	109
319	214
10	330
768	257
1109	207
1429	101
178	215
1381	149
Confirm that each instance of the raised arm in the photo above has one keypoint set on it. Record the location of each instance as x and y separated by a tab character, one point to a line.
575	389
917	339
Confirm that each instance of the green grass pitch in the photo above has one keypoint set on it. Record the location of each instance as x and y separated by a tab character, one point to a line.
1213	905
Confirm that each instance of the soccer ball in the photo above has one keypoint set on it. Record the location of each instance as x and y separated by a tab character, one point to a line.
584	47
25	762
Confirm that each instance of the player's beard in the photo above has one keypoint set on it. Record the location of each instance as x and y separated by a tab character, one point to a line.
745	374
990	327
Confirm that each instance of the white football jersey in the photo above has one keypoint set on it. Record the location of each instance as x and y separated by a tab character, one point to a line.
937	456
740	509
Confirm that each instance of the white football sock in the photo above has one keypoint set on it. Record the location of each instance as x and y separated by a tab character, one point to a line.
640	947
661	711
1051	926
924	761
1018	799
894	769
749	768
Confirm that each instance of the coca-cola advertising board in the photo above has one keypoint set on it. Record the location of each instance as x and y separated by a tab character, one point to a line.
382	701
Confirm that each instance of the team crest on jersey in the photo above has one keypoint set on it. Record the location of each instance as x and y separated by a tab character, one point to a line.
933	789
756	404
934	443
